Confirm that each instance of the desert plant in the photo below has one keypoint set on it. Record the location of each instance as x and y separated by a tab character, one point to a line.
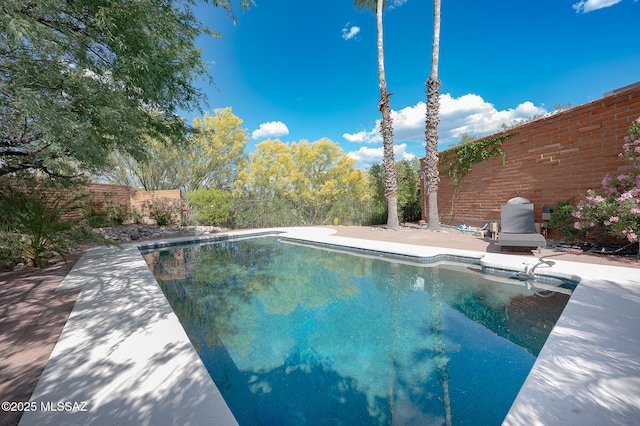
9	247
136	214
163	210
117	212
41	218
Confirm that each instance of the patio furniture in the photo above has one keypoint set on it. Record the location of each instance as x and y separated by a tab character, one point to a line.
473	229
518	228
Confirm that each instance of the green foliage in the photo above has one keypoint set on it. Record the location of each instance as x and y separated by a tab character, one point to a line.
375	178
165	211
277	212
39	218
616	212
163	166
557	108
216	153
315	172
302	183
115	213
136	214
109	212
81	79
210	206
376	214
94	218
211	157
10	249
562	219
465	139
409	202
467	155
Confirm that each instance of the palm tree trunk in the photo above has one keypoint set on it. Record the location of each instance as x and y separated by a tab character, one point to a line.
386	128
432	174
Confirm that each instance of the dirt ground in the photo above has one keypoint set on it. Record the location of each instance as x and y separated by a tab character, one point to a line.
32	316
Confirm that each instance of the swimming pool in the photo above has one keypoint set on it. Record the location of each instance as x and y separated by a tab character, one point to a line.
294	334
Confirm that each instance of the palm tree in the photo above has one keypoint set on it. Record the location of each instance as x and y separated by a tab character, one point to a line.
386	126
432	174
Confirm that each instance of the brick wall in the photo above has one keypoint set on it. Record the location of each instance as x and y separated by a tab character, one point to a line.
138	197
102	194
547	161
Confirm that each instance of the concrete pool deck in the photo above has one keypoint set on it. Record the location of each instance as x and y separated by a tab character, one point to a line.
124	353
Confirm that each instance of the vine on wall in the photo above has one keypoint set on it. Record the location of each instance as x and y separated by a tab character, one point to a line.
468	155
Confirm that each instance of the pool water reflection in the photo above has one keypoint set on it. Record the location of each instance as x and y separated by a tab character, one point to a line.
298	335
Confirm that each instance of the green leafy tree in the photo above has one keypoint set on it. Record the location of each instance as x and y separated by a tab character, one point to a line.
216	151
324	173
408	187
317	172
163	166
375	177
465	139
269	172
81	79
210	158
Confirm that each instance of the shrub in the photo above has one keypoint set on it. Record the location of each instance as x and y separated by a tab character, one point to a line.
136	214
117	213
617	211
562	219
9	248
41	217
210	206
163	210
93	217
107	213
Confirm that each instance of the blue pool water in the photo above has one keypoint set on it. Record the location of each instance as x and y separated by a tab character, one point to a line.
299	335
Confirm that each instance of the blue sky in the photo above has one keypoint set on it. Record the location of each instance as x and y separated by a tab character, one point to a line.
298	70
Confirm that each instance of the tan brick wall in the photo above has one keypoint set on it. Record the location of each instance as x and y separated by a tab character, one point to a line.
102	194
547	161
138	197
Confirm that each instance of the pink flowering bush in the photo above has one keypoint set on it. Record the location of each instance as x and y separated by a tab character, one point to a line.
164	211
617	210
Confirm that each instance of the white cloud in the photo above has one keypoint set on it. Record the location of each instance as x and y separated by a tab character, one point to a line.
466	114
586	6
272	129
365	157
349	33
364	136
397	3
